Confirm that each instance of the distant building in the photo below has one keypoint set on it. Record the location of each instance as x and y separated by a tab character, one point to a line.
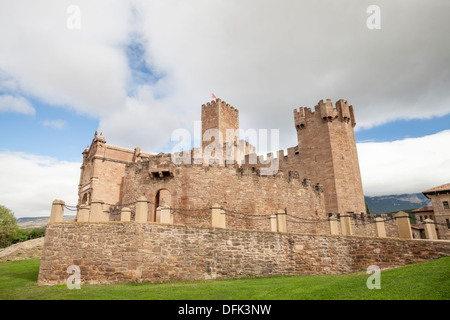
423	213
439	212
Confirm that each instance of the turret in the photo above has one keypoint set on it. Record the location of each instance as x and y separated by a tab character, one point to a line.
219	119
328	155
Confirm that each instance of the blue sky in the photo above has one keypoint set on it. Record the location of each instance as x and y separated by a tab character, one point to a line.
138	70
31	133
402	129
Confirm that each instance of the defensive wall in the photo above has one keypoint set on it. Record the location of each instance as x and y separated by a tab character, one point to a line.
138	250
115	252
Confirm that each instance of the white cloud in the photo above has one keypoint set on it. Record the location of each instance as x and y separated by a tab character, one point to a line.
9	103
55	124
144	122
30	183
405	166
264	57
85	70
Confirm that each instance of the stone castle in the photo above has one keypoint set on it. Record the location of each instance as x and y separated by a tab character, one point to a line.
318	177
206	213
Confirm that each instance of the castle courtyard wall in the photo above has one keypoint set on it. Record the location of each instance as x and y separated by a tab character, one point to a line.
117	252
197	188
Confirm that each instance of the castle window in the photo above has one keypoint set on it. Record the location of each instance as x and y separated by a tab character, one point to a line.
448	223
160	174
445	203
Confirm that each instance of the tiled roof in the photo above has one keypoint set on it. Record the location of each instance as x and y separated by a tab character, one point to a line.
423	209
444	187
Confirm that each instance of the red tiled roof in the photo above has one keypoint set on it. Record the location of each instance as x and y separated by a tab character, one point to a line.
424	209
444	187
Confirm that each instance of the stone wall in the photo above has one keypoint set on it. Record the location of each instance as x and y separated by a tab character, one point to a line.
117	252
196	187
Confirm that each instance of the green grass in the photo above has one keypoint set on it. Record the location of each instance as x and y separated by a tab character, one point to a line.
424	281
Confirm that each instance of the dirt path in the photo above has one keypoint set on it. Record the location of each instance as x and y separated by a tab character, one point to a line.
30	249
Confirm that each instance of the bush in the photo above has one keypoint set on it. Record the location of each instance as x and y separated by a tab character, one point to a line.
25	235
10	232
8	226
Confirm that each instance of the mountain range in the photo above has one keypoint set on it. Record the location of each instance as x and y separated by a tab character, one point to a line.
396	202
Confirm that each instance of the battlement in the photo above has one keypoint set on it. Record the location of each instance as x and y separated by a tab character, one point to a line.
326	111
219	103
160	168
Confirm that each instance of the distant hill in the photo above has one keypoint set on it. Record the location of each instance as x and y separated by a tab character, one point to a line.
396	202
38	222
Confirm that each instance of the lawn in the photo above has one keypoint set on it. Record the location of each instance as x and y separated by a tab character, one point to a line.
423	281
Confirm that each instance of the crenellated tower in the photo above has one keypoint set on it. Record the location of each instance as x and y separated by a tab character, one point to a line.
218	114
328	155
219	119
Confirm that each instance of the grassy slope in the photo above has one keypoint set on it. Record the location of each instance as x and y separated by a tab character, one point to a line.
430	280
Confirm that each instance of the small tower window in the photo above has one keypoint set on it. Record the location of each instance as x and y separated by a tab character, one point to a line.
445	203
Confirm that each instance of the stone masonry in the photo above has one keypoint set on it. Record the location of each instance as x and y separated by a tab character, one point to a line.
318	177
115	252
152	217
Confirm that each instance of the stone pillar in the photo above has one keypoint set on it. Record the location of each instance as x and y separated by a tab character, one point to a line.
380	227
218	219
334	224
346	224
83	213
430	229
57	212
158	215
404	227
141	210
125	214
273	223
165	215
151	212
97	214
281	221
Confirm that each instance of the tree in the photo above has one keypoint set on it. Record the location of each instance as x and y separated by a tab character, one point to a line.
8	226
367	208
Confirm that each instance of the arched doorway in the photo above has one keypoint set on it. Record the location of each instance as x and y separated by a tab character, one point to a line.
162	198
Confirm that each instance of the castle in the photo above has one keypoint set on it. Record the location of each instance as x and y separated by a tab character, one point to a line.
206	213
318	177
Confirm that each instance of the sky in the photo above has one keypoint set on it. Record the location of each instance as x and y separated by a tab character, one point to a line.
138	70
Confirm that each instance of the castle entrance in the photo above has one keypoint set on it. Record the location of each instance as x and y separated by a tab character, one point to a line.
163	198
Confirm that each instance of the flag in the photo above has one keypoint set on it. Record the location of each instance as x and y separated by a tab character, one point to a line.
213	96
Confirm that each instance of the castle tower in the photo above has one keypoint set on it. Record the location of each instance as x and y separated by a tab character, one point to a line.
328	154
219	115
